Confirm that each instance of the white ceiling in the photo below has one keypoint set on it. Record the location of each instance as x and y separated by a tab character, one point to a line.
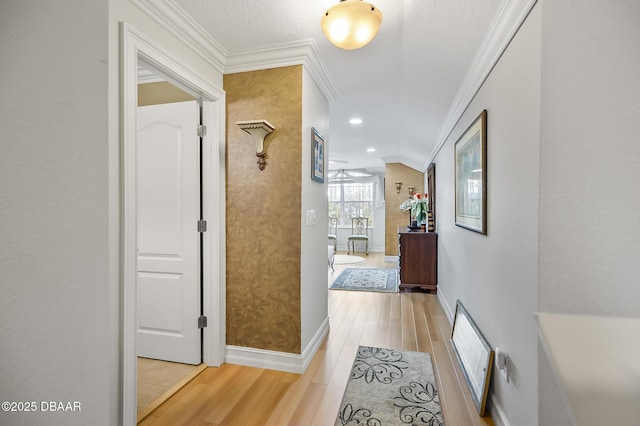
402	84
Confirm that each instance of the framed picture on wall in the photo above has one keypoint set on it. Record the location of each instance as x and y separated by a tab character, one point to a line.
474	354
431	190
317	156
471	176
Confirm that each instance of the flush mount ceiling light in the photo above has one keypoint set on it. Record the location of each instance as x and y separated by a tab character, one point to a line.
351	24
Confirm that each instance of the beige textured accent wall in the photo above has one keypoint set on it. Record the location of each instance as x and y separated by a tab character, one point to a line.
394	217
264	211
161	92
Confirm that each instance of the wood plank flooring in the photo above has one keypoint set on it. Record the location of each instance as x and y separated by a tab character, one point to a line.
158	380
237	395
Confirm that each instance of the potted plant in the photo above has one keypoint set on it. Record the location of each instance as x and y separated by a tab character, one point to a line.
418	206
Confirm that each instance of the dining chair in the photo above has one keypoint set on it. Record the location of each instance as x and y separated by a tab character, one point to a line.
359	233
333	232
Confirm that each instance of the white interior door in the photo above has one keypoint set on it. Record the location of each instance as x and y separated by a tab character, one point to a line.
168	206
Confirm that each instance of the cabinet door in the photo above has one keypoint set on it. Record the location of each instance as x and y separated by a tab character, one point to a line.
418	258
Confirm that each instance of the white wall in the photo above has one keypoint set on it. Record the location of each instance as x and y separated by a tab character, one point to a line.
496	276
313	262
58	341
60	295
590	167
376	243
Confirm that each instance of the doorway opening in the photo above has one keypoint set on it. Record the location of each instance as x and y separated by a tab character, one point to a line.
139	52
169	203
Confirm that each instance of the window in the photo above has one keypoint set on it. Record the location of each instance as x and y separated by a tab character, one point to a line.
350	199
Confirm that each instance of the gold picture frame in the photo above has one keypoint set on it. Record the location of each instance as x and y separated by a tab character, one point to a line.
474	355
471	176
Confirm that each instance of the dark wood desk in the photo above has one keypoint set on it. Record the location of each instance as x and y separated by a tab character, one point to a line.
418	252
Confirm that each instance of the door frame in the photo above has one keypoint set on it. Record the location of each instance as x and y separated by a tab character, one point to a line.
135	48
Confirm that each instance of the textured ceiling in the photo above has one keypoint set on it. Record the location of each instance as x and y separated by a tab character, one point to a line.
402	84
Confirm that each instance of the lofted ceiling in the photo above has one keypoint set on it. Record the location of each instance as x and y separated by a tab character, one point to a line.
402	85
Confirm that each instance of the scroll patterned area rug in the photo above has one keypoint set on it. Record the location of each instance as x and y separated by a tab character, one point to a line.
390	387
367	280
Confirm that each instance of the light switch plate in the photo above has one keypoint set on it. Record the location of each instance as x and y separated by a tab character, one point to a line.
311	217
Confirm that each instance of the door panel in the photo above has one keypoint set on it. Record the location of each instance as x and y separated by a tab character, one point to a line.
168	205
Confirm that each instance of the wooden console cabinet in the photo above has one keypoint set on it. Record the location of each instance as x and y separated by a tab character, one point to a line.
418	253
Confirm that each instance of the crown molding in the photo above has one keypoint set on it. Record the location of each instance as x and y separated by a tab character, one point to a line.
147	76
301	52
403	160
504	27
179	23
170	16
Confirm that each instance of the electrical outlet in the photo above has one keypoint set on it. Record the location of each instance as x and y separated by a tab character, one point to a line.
505	371
502	363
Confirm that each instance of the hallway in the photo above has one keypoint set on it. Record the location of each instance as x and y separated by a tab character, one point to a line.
237	395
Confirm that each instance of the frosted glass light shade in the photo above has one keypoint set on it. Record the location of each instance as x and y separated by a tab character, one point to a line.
351	24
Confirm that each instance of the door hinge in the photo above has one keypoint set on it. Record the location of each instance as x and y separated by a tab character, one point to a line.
202	321
202	130
202	226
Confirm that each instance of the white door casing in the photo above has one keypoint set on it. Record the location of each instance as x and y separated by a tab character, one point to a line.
168	190
136	49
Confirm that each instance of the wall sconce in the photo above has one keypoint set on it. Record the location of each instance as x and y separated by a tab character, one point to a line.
398	187
258	129
411	190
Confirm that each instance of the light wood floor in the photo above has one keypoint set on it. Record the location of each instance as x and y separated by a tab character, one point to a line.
237	395
157	380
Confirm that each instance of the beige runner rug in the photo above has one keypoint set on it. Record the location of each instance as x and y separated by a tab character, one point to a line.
390	387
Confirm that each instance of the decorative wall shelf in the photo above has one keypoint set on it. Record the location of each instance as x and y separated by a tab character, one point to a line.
258	129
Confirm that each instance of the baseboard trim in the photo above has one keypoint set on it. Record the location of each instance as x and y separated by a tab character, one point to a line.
445	307
274	360
392	259
497	414
359	252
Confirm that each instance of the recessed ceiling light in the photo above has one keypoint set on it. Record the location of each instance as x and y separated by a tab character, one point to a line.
356	121
371	150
